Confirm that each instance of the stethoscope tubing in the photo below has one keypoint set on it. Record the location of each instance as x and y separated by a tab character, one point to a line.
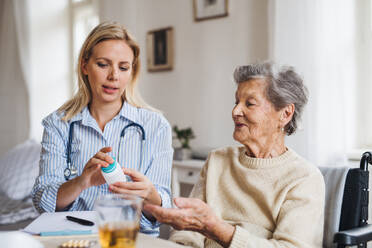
71	170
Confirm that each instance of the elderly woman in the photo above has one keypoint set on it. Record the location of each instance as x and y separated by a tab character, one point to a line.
262	194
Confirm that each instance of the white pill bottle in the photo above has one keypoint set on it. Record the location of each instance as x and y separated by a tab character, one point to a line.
113	173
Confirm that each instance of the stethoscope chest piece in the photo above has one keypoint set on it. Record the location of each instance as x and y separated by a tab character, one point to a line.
69	171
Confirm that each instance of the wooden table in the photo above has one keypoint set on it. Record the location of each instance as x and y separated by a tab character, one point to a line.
143	241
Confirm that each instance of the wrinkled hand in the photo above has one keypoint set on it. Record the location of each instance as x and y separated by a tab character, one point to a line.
141	186
194	215
91	175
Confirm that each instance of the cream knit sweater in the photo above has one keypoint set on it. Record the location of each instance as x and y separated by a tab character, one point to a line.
277	202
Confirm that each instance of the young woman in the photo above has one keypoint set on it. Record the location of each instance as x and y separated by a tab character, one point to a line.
106	118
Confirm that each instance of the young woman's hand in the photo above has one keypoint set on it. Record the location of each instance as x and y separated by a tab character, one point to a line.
141	186
91	175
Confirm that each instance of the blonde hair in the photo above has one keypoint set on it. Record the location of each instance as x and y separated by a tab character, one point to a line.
102	32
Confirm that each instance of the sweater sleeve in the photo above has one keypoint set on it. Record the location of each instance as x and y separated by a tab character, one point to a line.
300	221
190	238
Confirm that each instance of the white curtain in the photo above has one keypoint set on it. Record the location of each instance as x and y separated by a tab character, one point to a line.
317	37
14	73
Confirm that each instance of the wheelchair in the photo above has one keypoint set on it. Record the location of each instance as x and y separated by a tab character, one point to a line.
354	229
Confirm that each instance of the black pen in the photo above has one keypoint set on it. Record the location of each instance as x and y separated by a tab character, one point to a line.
80	221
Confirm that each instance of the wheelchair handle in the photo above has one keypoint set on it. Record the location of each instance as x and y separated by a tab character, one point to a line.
365	160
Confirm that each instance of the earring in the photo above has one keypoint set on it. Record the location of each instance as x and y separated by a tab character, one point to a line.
282	129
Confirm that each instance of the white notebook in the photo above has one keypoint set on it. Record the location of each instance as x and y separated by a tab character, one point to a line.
56	224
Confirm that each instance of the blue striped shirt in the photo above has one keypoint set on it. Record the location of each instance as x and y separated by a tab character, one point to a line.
87	139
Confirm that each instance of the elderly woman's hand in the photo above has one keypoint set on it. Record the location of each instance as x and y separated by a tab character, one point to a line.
194	215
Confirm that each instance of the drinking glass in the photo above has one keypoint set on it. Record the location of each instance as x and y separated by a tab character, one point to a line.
118	220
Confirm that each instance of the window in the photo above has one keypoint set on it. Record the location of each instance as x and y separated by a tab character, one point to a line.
363	81
84	17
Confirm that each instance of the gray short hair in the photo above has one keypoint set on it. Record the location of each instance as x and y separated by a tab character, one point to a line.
285	87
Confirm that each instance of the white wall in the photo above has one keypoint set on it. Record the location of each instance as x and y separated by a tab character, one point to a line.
199	91
50	60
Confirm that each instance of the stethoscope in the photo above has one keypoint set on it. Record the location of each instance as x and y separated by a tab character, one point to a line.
71	170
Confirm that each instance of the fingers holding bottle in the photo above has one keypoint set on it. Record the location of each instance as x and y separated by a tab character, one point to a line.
91	175
103	156
140	186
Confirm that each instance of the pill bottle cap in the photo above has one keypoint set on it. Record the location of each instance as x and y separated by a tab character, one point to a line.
110	167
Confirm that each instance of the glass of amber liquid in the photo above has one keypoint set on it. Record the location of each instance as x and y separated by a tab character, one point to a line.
118	217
